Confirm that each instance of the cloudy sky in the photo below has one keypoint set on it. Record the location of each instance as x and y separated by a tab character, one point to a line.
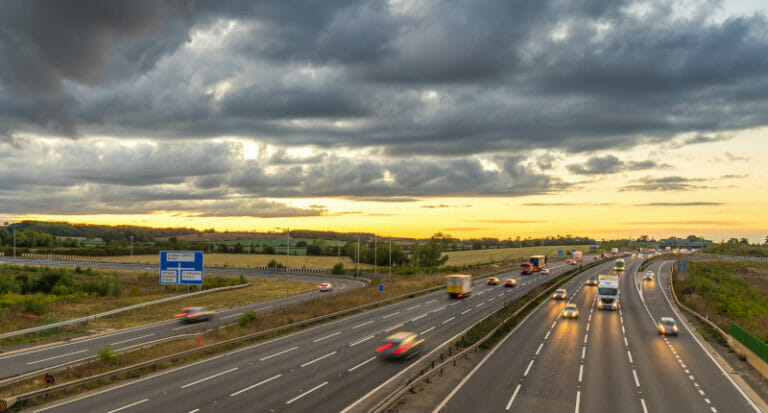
499	118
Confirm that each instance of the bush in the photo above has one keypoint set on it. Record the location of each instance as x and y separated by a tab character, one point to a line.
248	318
107	355
338	269
275	264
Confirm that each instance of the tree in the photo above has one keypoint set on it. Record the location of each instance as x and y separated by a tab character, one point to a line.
766	240
269	249
431	253
301	244
239	248
222	248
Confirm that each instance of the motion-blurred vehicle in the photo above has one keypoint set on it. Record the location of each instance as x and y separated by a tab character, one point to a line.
592	281
648	276
510	282
667	326
194	314
325	287
526	268
400	345
539	262
560	294
458	285
492	281
545	271
570	311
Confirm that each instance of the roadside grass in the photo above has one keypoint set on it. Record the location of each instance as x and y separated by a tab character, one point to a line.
398	285
261	289
728	291
513	254
248	260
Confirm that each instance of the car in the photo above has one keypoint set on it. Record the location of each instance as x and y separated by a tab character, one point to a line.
667	326
592	281
325	287
569	261
545	271
570	311
648	276
510	282
194	314
492	281
400	345
560	294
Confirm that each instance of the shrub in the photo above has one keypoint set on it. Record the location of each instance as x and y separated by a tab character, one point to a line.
275	264
107	355
247	318
338	269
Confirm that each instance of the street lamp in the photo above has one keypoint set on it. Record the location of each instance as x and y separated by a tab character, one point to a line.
287	267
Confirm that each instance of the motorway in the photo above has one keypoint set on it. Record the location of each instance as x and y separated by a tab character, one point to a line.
324	368
82	349
602	361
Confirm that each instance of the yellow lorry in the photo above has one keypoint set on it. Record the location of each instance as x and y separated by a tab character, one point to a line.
458	285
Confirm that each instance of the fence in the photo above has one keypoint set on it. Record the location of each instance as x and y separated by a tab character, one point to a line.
749	341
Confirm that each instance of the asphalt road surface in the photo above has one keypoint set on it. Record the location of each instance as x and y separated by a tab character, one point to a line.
602	361
322	369
86	348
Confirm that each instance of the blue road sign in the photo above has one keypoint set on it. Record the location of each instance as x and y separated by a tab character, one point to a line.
381	288
559	252
181	267
572	251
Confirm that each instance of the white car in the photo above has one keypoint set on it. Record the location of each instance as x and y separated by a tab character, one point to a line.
648	276
545	271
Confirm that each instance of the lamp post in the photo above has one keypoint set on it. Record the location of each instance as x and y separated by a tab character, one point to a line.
287	266
131	245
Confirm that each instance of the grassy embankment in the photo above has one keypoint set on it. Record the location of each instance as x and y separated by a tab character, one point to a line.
727	291
456	258
92	292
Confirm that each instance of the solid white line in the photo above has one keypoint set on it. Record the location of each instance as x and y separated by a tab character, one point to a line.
390	315
637	382
254	385
306	393
581	372
221	373
413	307
448	320
427	330
361	364
512	399
128	406
56	357
328	336
131	339
277	354
538	350
364	324
466	311
393	327
528	369
230	316
361	340
418	318
318	359
578	401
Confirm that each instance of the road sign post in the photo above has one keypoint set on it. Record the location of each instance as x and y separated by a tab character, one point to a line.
181	267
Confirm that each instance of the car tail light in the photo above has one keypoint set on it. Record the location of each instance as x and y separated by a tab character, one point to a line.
384	347
181	315
460	295
193	315
402	349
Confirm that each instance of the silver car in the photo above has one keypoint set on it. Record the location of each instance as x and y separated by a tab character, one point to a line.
648	276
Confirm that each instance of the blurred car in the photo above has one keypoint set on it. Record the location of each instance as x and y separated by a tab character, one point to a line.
570	311
325	287
648	276
568	261
667	326
510	282
492	281
592	281
596	257
194	314
560	294
400	345
545	271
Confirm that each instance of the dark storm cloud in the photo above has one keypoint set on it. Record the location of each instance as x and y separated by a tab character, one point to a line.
421	78
610	164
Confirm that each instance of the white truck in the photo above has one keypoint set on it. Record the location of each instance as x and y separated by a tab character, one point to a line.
608	292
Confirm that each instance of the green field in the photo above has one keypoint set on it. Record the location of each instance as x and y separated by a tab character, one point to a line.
249	260
501	254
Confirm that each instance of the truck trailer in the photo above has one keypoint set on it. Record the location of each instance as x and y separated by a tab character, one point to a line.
608	292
